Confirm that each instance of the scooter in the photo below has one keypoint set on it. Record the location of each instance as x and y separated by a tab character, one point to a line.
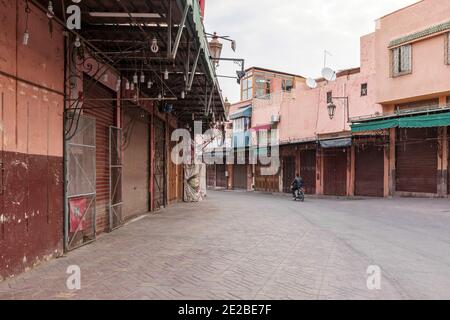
300	195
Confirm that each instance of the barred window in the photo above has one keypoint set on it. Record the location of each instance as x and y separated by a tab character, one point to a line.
329	97
363	89
401	60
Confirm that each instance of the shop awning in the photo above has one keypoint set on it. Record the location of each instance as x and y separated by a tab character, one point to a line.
245	112
261	127
336	143
419	121
375	125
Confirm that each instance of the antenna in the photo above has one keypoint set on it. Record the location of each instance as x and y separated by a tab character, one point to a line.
325	54
311	83
329	74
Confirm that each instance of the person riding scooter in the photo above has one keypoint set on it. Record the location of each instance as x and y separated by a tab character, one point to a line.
297	185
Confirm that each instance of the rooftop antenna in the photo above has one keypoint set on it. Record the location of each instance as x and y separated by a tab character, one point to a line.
325	54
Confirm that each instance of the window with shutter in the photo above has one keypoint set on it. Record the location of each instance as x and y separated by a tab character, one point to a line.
401	60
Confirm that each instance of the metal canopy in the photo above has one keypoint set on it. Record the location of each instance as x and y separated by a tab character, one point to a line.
120	33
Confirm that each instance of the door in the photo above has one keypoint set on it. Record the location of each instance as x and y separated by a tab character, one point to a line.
369	170
335	171
308	170
173	172
160	164
266	183
288	173
416	160
136	162
240	177
221	179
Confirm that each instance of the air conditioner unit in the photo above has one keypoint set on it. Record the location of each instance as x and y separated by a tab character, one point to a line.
275	119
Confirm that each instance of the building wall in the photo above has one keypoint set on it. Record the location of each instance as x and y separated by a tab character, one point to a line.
31	140
429	74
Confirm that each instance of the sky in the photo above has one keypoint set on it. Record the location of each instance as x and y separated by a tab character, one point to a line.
291	35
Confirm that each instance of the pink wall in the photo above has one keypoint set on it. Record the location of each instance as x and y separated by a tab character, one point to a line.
430	75
304	113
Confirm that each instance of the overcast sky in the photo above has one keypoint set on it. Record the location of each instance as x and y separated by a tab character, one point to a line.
291	35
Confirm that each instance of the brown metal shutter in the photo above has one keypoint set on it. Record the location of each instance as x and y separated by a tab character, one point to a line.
369	171
240	177
448	156
266	183
210	175
335	172
288	173
417	160
221	179
160	164
308	170
103	111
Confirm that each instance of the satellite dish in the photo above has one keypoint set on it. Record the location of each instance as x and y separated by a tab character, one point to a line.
329	74
311	83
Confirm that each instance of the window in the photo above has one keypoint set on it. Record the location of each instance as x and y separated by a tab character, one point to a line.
287	85
447	48
401	60
329	97
262	87
247	88
364	90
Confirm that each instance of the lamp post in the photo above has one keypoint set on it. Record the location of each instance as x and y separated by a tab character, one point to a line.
332	107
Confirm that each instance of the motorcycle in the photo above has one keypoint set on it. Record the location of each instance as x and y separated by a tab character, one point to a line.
300	195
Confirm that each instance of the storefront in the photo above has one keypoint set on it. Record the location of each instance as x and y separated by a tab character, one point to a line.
336	159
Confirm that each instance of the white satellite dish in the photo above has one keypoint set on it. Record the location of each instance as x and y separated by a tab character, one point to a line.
311	83
329	74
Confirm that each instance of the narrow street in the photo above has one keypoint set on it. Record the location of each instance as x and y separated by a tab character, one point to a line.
260	246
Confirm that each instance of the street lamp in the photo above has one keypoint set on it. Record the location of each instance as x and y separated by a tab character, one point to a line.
332	107
215	48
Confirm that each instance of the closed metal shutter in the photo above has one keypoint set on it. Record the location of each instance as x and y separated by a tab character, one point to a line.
335	171
103	111
240	177
136	163
160	164
417	160
308	170
448	155
221	179
266	183
288	173
369	170
211	175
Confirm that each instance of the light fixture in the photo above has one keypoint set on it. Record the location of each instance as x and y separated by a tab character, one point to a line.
105	77
215	49
50	12
118	84
135	78
142	77
154	45
77	42
166	74
132	86
331	110
183	94
26	37
127	85
159	96
149	84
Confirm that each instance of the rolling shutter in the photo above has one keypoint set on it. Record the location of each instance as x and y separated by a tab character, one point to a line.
335	171
416	160
308	170
369	170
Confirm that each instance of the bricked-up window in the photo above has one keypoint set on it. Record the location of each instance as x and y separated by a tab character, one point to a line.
363	89
401	60
329	96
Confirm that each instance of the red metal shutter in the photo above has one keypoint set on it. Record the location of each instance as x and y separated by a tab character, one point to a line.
369	170
288	173
335	172
103	111
417	160
308	170
221	179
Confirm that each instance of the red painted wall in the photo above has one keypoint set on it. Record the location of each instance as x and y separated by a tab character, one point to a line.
31	139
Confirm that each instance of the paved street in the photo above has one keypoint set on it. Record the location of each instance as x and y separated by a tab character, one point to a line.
257	246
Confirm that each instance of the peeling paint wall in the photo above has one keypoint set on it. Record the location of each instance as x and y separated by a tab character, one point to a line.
31	139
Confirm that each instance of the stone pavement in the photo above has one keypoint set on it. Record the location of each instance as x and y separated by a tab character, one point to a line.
257	246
